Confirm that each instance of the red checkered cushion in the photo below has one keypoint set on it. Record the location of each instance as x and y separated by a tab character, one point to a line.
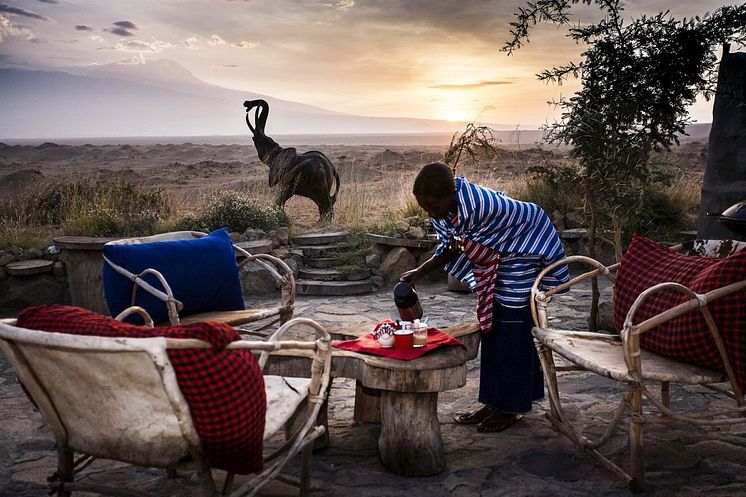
647	263
224	389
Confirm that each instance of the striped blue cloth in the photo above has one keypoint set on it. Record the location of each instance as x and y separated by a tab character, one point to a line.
521	231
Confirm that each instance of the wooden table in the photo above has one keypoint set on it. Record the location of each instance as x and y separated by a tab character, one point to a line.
402	395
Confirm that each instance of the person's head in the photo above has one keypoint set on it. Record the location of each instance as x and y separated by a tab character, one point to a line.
435	190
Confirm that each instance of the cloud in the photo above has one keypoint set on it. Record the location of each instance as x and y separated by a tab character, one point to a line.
246	44
216	41
470	86
119	32
345	4
191	43
122	28
140	46
125	24
8	29
231	66
7	9
83	27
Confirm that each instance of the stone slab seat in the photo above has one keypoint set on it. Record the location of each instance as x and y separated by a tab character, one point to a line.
118	399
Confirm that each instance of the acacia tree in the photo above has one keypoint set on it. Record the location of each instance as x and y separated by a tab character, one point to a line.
638	77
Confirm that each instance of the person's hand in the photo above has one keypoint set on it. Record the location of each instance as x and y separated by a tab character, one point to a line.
409	276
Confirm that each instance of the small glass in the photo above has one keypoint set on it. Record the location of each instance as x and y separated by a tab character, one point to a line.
420	334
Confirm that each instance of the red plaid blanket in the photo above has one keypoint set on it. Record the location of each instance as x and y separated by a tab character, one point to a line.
224	389
686	338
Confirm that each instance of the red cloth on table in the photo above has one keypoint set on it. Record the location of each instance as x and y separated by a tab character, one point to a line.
484	264
368	345
223	388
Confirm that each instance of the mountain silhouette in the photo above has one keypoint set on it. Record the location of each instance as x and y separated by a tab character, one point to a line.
161	98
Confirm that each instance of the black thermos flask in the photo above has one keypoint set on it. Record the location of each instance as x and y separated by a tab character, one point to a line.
407	302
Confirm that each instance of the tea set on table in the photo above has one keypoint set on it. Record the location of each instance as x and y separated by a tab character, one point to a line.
410	330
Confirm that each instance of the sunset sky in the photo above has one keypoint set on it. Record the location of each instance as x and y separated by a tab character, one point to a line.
423	59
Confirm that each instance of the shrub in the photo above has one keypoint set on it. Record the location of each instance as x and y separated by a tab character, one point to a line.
91	207
239	211
556	188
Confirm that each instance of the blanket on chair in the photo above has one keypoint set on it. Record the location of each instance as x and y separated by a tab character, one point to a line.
223	388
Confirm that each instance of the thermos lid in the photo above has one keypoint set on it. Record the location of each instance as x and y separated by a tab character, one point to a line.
404	295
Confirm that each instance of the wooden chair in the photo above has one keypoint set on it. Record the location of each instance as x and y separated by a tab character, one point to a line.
118	398
280	271
620	357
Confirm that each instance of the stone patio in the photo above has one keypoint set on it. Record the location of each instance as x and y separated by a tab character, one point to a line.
529	459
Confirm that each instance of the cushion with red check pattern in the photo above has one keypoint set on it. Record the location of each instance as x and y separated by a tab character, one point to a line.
686	338
223	388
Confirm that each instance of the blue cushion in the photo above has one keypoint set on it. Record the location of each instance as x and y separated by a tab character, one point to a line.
202	273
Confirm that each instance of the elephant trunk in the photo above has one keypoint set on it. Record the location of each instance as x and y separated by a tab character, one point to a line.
260	117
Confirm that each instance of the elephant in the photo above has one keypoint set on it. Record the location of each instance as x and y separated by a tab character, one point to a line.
310	174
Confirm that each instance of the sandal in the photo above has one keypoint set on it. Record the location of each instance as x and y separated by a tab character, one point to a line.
497	421
473	417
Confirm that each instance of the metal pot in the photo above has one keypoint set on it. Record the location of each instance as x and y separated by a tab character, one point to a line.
734	217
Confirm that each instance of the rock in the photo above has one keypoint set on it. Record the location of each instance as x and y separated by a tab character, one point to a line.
378	249
281	253
459	286
6	258
416	232
558	220
237	237
402	226
281	235
373	260
377	282
397	261
252	234
35	253
293	265
425	255
3	274
20	292
256	280
574	220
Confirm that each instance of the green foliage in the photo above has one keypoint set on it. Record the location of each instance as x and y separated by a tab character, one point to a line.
638	78
553	187
351	258
98	208
410	208
239	211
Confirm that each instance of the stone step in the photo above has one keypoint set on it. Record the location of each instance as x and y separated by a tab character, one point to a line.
319	250
319	262
333	275
29	267
320	238
332	288
255	247
423	243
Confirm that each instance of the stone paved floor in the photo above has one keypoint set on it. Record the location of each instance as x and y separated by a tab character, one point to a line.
530	459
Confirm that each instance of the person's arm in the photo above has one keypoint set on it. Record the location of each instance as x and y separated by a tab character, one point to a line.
433	263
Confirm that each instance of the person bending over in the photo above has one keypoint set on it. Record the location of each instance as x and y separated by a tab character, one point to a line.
498	245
